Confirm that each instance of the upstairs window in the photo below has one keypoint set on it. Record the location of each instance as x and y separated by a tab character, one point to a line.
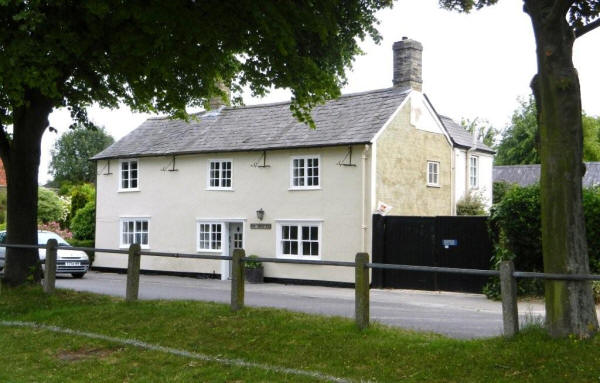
305	172
433	173
298	239
129	175
219	174
474	172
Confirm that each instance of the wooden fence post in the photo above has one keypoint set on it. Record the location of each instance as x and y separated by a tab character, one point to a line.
361	291
237	280
508	288
133	273
50	266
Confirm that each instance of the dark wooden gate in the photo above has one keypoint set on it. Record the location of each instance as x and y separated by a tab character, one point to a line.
458	242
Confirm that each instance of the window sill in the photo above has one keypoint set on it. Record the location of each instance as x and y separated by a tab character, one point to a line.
300	257
304	188
143	247
128	190
207	251
433	186
219	189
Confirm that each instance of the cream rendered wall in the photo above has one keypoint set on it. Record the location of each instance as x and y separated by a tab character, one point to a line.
402	151
174	201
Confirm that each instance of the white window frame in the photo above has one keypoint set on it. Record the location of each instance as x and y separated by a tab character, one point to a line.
210	249
129	161
305	186
122	220
474	172
436	174
221	178
298	223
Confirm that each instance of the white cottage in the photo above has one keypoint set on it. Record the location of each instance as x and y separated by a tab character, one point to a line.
255	178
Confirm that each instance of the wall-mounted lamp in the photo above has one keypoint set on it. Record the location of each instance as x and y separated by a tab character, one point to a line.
260	214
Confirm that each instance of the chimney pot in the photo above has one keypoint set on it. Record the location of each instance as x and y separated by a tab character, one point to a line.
408	57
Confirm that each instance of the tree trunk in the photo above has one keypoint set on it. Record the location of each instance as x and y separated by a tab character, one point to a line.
22	163
570	305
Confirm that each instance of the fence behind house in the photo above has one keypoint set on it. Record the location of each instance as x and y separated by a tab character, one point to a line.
508	277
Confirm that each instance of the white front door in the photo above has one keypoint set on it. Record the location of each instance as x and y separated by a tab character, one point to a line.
233	235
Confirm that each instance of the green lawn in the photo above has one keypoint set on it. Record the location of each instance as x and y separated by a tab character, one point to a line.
268	337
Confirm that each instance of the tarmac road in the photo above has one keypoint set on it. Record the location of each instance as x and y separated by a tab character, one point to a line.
456	315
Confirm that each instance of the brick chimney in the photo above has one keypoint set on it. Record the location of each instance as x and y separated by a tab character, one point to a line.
216	101
408	57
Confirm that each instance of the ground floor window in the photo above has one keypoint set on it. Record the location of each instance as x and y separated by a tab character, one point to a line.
210	236
298	239
134	230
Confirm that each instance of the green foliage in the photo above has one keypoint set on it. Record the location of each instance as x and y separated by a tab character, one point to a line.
83	224
596	290
484	132
471	204
251	263
72	152
499	189
519	143
520	140
515	227
80	195
51	208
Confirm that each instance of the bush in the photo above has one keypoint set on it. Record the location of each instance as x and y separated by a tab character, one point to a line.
83	224
80	196
515	229
3	205
55	228
251	264
471	204
84	243
51	208
499	190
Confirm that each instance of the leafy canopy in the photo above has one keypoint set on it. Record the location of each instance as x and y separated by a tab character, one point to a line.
519	143
161	56
72	152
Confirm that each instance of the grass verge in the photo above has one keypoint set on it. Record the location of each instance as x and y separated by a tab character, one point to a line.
331	346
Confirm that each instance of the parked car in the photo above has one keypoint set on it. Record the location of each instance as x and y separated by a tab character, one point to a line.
72	262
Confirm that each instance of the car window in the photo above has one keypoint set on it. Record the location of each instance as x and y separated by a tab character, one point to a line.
3	237
43	238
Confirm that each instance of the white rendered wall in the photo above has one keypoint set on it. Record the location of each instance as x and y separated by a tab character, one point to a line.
174	201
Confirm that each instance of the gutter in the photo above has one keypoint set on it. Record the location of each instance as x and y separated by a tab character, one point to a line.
363	199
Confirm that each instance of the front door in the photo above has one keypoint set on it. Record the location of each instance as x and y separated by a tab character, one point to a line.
235	235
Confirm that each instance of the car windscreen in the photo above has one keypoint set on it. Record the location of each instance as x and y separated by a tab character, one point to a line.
45	236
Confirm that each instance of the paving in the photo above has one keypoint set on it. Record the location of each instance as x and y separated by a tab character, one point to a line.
457	315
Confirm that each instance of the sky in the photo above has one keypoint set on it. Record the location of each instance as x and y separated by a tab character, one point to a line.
474	66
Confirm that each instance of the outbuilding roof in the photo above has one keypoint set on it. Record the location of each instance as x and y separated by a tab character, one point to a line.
351	119
461	137
525	175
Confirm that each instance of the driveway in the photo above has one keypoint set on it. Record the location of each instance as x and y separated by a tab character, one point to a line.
453	314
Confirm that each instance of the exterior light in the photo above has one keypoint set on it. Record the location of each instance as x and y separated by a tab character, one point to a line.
260	214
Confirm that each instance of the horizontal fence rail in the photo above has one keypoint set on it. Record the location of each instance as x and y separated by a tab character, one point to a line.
506	273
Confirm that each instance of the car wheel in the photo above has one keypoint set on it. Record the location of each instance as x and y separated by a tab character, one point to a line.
78	275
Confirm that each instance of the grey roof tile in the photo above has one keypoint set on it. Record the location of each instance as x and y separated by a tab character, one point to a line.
350	119
525	175
461	137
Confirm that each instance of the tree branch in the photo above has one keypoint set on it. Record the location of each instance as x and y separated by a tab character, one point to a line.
587	28
560	9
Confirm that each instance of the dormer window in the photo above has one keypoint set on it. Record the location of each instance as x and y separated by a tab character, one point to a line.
128	175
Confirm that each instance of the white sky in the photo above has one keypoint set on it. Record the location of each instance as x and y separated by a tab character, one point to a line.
474	65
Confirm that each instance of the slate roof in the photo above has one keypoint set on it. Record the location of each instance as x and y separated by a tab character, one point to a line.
461	137
351	119
525	175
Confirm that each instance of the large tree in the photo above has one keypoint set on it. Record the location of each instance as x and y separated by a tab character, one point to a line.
556	24
155	56
72	152
520	140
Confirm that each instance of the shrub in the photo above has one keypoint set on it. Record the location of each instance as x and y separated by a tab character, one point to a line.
251	264
51	208
515	229
471	204
3	206
499	190
55	227
80	196
83	224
